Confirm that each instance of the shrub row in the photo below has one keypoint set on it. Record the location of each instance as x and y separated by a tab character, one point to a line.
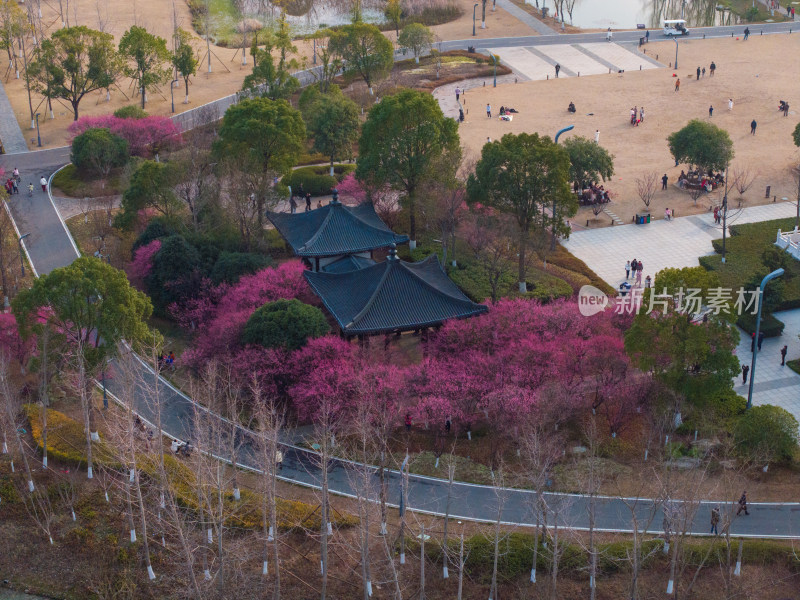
516	554
771	326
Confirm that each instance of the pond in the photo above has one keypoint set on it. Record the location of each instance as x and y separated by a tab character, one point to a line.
626	14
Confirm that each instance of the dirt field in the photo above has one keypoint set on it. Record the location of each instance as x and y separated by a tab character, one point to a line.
755	74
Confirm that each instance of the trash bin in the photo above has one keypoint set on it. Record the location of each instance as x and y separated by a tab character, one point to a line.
544	11
648	218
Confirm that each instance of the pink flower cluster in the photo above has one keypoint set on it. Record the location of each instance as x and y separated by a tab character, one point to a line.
141	265
146	136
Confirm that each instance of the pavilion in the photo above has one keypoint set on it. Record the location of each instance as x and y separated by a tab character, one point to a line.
392	297
336	238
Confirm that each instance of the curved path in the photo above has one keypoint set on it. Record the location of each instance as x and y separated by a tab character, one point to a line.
50	246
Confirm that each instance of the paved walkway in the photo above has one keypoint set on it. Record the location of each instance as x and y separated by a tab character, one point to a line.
11	135
679	243
524	16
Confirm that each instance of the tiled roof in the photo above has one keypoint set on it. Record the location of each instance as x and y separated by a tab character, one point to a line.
335	229
392	296
351	262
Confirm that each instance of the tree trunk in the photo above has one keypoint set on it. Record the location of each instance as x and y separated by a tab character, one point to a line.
412	218
186	83
74	110
523	242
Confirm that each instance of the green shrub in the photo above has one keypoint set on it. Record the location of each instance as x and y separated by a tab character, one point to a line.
545	287
767	432
771	326
474	282
230	266
95	150
284	324
130	112
316	180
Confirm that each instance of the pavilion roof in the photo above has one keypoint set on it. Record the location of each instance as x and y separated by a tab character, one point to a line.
335	229
392	296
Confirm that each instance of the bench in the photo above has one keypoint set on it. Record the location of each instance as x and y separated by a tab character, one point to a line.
640	26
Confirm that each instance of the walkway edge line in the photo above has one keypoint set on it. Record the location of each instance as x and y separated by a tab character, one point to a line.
60	218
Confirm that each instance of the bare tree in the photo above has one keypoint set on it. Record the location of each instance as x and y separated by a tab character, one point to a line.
11	410
743	178
500	494
646	187
270	420
490	240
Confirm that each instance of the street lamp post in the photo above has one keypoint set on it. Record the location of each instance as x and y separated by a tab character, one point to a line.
38	136
724	214
21	261
553	236
172	93
474	8
676	51
773	275
494	60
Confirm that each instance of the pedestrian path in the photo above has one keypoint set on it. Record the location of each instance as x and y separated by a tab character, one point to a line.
11	135
524	16
575	60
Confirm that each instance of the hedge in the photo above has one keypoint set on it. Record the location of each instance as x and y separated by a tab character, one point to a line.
66	440
516	554
771	326
316	180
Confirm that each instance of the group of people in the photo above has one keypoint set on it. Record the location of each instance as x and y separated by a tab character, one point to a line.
633	270
12	183
593	195
302	195
697	179
166	360
637	116
784	108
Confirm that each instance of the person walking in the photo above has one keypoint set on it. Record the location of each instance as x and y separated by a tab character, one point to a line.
293	204
785	109
596	136
664	181
678	85
489	110
627	270
746	33
716	215
783	355
30	190
714	520
647	36
647	281
43	183
753	126
641	115
698	73
458	93
745	371
638	274
558	68
730	103
743	504
710	111
761	337
14	186
608	35
308	201
704	71
712	67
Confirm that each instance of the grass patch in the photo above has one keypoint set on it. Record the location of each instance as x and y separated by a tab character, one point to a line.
92	233
424	463
71	183
66	440
66	443
794	364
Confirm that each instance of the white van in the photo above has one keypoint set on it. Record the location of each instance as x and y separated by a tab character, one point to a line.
674	27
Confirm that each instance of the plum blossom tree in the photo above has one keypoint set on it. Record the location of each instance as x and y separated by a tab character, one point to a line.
146	136
141	265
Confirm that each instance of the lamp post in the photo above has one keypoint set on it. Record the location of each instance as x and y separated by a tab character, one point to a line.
172	93
724	214
553	236
474	8
773	275
494	60
21	261
38	136
676	51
